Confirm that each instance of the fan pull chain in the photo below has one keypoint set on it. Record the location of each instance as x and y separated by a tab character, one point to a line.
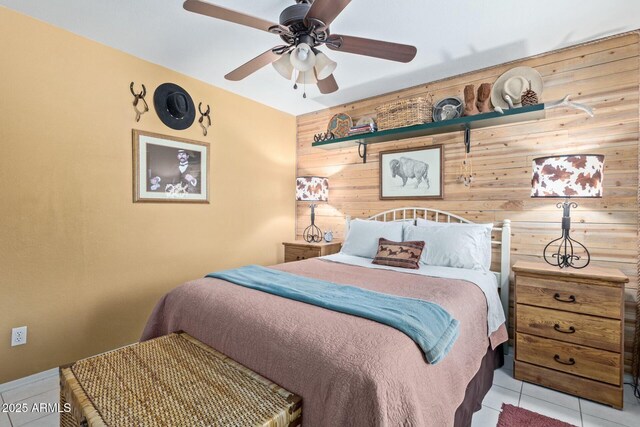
295	76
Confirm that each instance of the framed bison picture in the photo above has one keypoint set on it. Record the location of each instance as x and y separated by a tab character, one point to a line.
415	173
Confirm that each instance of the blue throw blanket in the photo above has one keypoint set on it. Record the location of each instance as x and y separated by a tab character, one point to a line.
428	324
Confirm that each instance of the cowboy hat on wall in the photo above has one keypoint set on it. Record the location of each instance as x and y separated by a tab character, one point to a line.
174	106
508	89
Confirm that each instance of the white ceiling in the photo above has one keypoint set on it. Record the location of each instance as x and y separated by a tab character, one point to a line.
452	37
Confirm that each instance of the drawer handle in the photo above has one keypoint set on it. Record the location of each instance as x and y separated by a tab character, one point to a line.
570	300
298	257
571	329
570	362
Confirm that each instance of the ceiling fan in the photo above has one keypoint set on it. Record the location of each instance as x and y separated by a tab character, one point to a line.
303	27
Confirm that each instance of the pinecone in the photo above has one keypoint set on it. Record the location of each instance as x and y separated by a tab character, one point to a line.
529	97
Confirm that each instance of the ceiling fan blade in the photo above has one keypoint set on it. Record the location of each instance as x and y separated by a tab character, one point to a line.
252	66
325	10
369	47
208	9
328	85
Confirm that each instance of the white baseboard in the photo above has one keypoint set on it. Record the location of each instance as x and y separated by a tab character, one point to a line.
40	375
28	380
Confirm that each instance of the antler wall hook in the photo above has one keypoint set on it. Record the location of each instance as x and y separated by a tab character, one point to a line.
204	115
137	97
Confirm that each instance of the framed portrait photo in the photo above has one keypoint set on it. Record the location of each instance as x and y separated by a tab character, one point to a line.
169	169
415	173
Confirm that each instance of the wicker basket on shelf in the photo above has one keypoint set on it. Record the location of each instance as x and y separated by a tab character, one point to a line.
405	112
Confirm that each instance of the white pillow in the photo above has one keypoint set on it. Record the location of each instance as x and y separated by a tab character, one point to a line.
482	229
406	223
454	245
362	238
424	222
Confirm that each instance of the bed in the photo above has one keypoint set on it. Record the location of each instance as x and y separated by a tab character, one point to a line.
350	370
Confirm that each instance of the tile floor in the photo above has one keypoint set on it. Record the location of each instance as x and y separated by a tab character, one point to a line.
579	412
43	390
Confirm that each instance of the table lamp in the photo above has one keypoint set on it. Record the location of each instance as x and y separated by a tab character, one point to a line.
567	176
312	189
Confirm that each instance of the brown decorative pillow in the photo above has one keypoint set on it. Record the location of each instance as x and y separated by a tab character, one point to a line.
399	254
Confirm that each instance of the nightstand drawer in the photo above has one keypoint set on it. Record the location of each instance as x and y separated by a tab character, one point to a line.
575	359
299	249
605	301
300	253
578	386
569	327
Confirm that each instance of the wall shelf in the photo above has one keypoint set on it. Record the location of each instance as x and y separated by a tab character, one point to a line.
521	114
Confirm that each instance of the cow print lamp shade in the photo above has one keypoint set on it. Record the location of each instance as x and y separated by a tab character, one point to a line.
567	176
312	189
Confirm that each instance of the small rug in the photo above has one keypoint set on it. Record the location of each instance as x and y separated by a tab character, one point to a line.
512	416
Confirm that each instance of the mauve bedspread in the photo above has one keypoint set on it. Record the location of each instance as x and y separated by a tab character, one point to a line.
349	371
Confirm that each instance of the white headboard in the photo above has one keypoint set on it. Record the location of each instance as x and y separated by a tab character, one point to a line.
504	243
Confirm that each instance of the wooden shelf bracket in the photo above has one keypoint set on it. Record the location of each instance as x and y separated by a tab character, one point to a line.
467	138
362	153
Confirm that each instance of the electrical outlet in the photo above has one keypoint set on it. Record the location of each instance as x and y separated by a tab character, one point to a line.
18	336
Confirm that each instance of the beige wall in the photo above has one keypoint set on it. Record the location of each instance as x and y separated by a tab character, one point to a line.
604	75
80	264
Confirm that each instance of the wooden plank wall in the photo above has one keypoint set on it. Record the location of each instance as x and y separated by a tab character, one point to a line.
603	74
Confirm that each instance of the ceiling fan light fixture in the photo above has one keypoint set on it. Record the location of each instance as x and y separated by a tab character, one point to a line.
306	78
324	66
302	27
283	66
302	58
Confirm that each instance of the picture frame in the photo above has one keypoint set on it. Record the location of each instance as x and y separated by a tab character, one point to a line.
168	169
412	173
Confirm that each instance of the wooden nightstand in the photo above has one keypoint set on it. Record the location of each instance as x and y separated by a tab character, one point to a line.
569	330
299	250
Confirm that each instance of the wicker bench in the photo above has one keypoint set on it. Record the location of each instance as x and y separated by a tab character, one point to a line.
173	380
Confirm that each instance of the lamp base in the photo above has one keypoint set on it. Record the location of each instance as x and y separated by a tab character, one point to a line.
312	234
562	253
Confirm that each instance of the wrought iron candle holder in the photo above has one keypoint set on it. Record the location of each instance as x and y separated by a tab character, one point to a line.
321	137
